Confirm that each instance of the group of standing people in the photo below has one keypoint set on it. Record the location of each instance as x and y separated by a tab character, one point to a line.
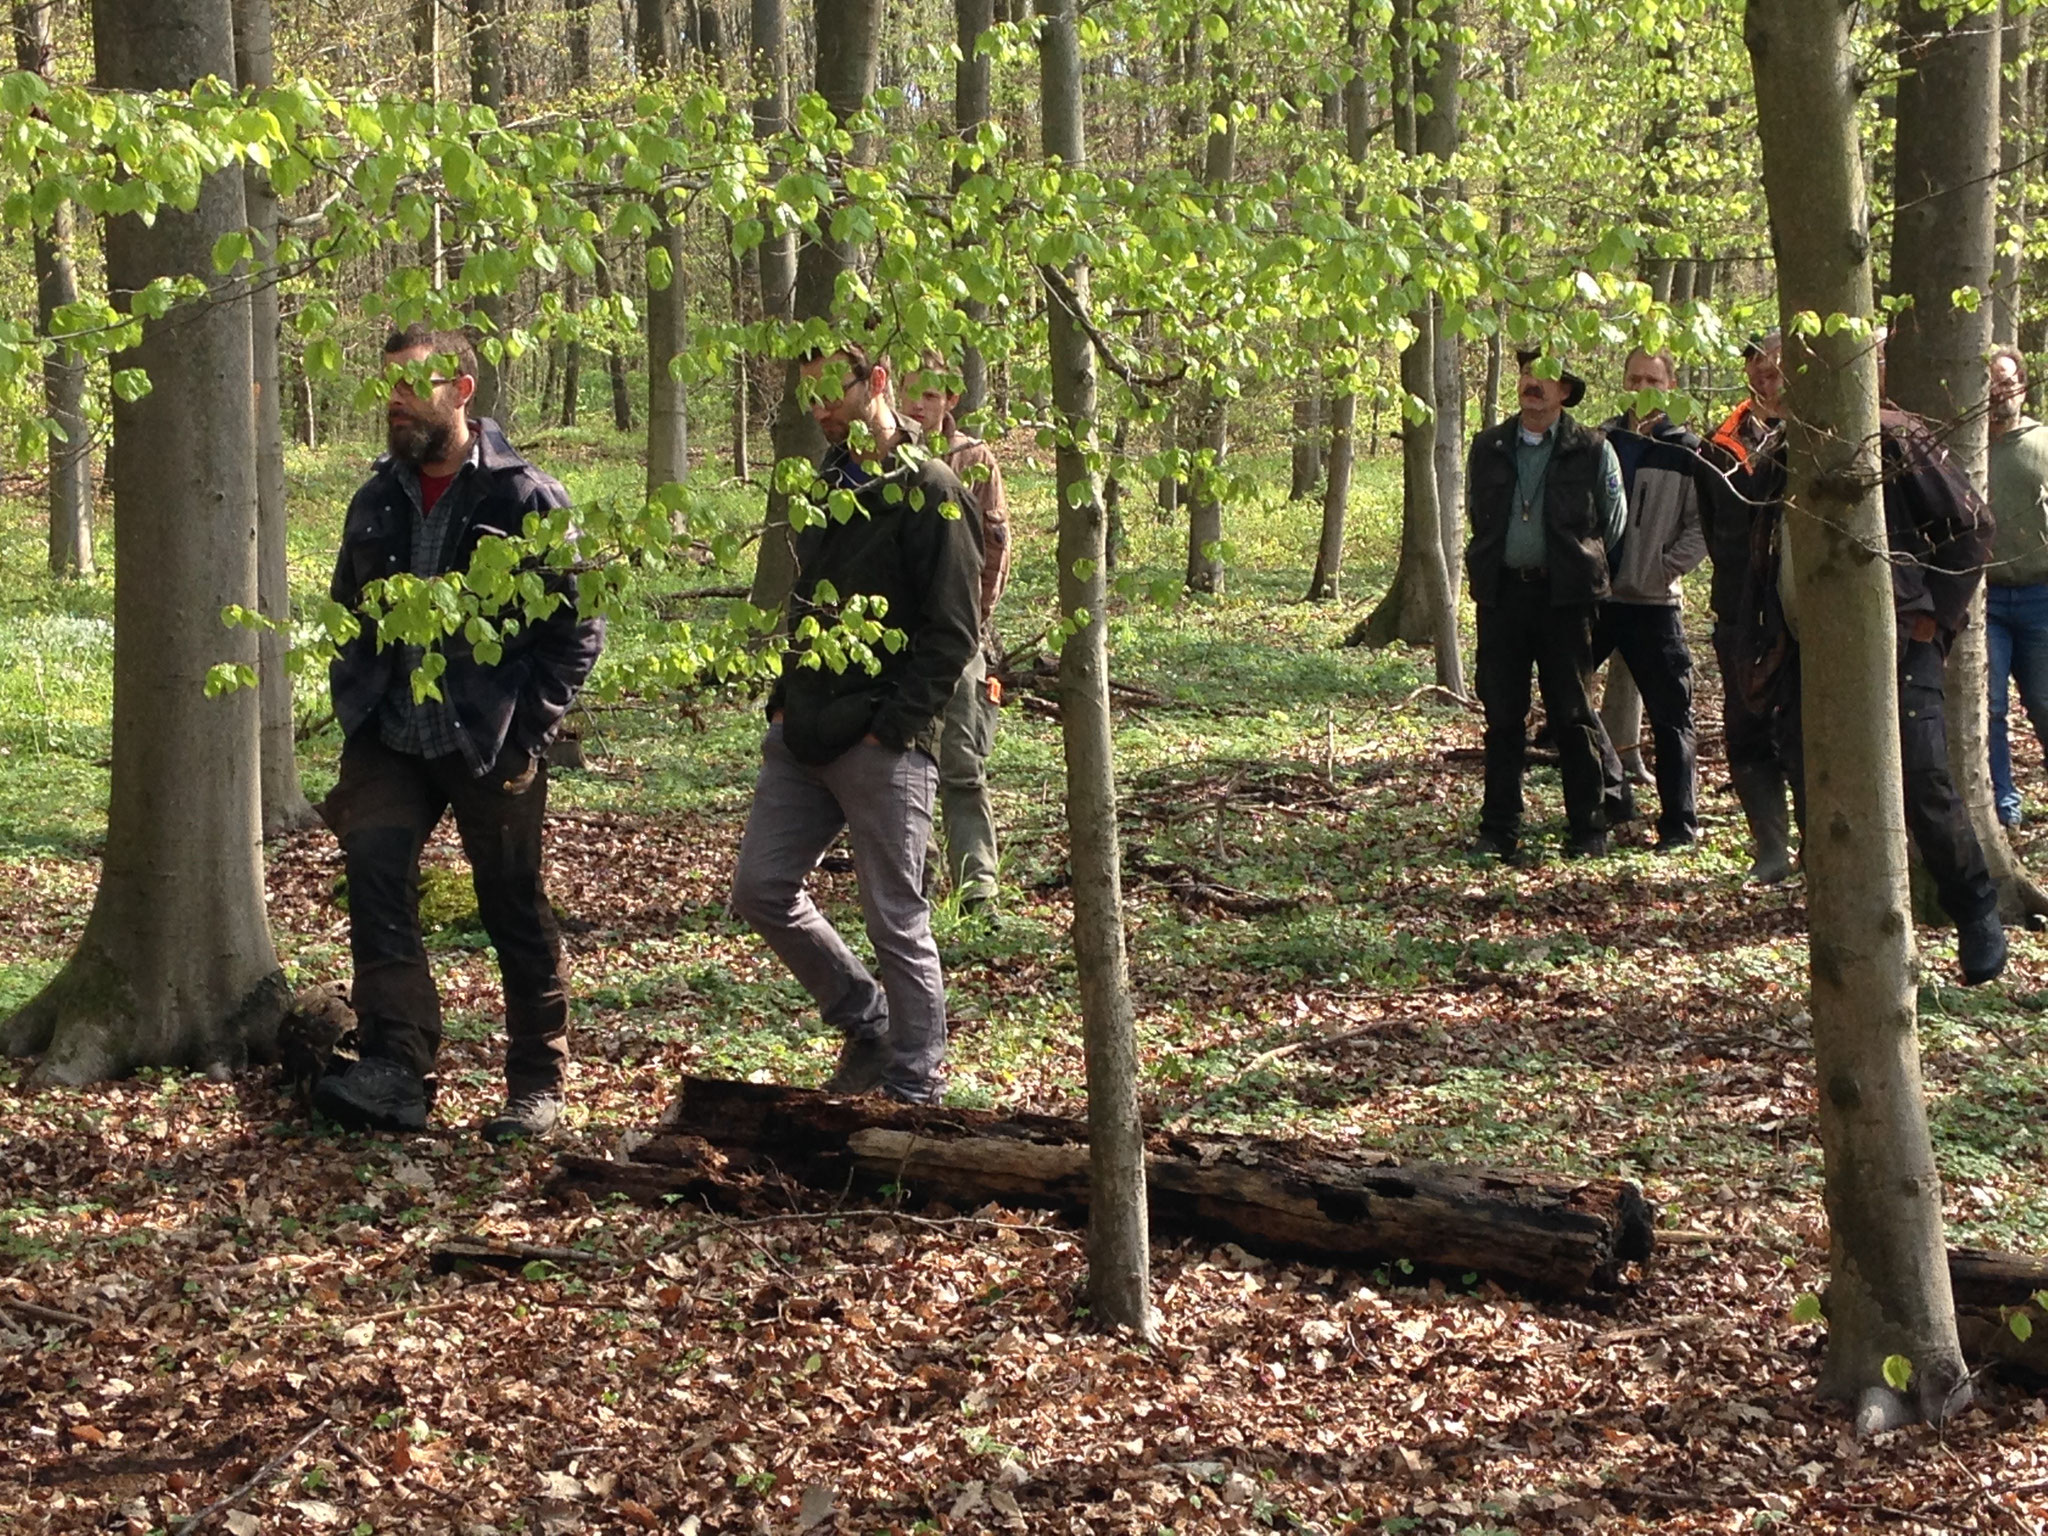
1579	540
867	753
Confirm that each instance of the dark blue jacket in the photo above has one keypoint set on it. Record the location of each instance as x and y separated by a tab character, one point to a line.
515	706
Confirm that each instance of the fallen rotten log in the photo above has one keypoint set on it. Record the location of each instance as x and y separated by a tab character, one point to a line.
1989	1288
737	1146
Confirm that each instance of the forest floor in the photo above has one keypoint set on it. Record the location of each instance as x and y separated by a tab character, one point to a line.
210	1304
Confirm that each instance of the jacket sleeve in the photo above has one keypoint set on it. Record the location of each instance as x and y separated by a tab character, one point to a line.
1952	520
564	647
1689	549
1613	497
943	555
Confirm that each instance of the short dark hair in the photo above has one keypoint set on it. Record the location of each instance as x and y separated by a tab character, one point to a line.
1663	358
2018	357
855	354
420	334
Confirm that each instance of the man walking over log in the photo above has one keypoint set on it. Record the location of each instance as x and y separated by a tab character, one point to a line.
1660	473
1546	503
857	748
447	482
969	728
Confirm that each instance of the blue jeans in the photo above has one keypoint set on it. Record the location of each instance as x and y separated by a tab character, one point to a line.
2016	635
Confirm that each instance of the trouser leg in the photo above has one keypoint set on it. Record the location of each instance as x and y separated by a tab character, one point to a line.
1618	799
1651	639
499	818
966	735
1998	656
1934	811
886	797
1501	667
1621	717
383	809
2027	621
791	823
1564	672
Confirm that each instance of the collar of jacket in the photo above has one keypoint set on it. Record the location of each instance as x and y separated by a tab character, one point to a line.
1570	434
1662	430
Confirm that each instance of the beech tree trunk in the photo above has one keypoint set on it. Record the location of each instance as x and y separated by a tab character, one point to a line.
668	299
614	363
487	88
2015	121
285	808
70	453
1210	411
972	83
1119	1242
1326	583
1889	1292
1450	451
426	43
175	967
849	51
1943	237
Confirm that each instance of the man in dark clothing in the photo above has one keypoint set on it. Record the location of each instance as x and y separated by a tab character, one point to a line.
1546	505
1749	485
1939	534
447	483
857	748
1660	473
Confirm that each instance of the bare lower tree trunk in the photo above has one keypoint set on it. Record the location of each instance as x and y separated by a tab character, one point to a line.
1450	447
668	297
2015	121
487	88
70	456
1327	584
1310	440
971	101
1943	239
426	45
1211	409
285	808
1890	1290
849	50
175	967
1119	1242
614	364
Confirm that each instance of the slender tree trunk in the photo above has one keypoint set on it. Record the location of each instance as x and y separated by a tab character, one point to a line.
770	25
668	296
70	455
614	363
971	92
1211	410
1943	239
1310	442
426	43
285	808
484	20
1450	448
175	967
849	49
1326	585
1119	1244
572	359
1890	1289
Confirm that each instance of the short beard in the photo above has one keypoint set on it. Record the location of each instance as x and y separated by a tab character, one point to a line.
416	442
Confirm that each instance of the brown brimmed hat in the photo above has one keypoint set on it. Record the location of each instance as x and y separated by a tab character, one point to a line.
1574	386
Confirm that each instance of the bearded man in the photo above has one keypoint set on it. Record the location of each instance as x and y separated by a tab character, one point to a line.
477	751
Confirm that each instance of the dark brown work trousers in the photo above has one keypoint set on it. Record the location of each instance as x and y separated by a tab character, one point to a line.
383	810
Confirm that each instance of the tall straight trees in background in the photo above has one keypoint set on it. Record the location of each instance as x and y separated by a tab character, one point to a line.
70	457
849	40
1943	242
484	47
1119	1241
175	967
1326	584
972	84
668	298
1209	415
285	807
1889	1292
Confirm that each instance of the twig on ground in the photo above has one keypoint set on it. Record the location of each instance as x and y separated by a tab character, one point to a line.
43	1314
257	1479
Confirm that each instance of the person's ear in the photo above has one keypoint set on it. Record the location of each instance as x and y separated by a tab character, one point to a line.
878	381
465	386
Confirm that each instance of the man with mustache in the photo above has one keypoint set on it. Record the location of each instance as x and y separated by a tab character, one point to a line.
447	482
857	748
1545	498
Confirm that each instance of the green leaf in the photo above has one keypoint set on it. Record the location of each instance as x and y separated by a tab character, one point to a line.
131	384
22	92
230	250
1215	28
1898	1372
2022	1326
1806	1309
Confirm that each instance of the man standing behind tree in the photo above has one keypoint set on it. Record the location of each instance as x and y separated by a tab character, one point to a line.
1660	470
969	728
1749	486
447	482
1546	504
857	749
2016	595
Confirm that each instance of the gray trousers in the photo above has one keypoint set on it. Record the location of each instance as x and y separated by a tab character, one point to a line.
967	733
883	798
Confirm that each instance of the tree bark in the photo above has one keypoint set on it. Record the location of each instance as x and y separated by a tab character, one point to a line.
426	42
849	50
1119	1242
1211	411
70	453
487	88
1326	582
1943	239
175	967
1889	1292
614	363
1288	1199
668	296
1450	454
2015	122
972	84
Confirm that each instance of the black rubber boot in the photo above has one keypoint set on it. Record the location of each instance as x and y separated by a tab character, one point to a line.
1761	789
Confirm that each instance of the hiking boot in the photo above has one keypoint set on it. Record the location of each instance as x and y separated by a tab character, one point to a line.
526	1116
862	1061
929	1091
1620	808
1672	842
1492	845
1587	845
374	1095
1980	948
1761	789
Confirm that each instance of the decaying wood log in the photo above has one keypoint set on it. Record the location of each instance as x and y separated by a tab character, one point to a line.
743	1145
1989	1289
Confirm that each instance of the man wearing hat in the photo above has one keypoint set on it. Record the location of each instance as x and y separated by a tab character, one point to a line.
1546	504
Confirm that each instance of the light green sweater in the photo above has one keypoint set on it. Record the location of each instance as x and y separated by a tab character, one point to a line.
2019	502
